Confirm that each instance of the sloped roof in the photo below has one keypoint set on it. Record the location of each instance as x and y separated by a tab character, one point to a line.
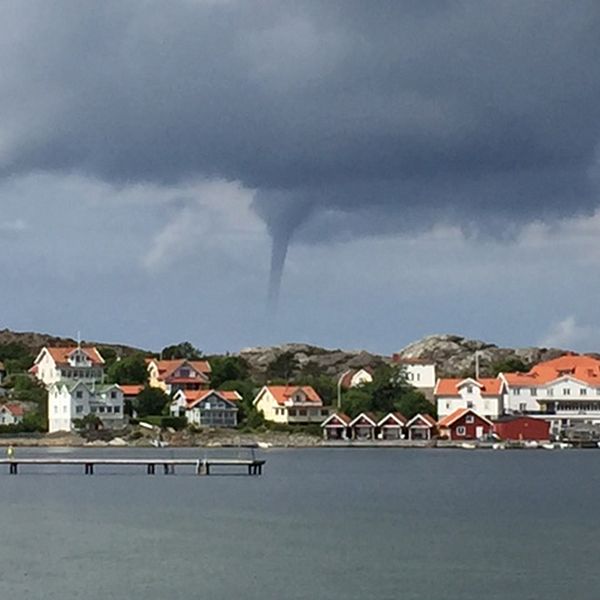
488	386
341	417
282	393
194	397
166	368
346	378
448	420
131	390
580	367
423	417
15	409
368	416
61	354
397	417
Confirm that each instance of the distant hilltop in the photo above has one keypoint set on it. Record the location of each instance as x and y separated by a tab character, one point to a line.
453	355
34	342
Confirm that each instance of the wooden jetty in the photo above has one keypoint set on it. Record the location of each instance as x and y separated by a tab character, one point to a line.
201	466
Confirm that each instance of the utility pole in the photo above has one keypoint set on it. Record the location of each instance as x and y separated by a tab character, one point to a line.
339	392
477	365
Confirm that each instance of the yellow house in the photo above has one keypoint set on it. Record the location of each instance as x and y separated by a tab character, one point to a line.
290	404
180	374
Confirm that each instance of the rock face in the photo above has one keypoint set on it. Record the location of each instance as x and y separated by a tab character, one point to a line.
311	359
454	356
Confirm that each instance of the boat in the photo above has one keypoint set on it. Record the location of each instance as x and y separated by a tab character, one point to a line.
159	443
264	445
467	446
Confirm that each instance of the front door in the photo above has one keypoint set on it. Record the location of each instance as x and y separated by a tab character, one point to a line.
478	431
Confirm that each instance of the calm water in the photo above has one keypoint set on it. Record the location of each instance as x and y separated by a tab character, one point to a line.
348	524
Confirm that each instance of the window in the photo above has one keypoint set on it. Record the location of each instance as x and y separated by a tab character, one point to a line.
79	394
583	391
522	406
113	395
79	408
566	392
469	389
533	391
184	372
517	391
550	393
460	430
101	409
470	419
292	412
117	409
469	404
93	409
302	412
109	409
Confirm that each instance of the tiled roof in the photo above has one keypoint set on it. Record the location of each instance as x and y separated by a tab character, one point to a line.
448	420
282	393
167	367
61	354
582	368
339	416
131	390
15	409
346	378
194	397
450	387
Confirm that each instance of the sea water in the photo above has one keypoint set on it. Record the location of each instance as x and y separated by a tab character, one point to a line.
320	523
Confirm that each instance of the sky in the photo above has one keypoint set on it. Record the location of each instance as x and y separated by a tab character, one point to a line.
343	173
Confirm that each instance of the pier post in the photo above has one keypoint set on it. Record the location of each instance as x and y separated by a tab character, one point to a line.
89	468
151	470
13	469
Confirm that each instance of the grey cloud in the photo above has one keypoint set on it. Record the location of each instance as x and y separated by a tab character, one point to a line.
348	118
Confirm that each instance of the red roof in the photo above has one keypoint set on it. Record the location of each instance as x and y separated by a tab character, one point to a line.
367	416
423	417
61	354
282	393
448	420
450	387
193	397
131	390
167	367
15	409
343	418
346	378
397	419
582	368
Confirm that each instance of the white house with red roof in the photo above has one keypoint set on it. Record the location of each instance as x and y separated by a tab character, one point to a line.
68	362
290	404
484	395
206	408
11	414
178	374
565	391
355	377
420	373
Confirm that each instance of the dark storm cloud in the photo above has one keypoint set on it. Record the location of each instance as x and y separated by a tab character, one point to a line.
348	117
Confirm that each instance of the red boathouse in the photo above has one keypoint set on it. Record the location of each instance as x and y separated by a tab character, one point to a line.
522	427
464	424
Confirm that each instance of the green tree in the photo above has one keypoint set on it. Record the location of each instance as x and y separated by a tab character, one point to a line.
90	422
109	355
129	370
16	357
511	364
413	402
357	400
283	367
227	368
150	401
182	350
26	389
247	390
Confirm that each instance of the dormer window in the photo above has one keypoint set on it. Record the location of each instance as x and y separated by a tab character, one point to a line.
469	389
184	372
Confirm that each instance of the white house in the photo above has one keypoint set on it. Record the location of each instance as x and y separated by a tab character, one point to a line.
74	362
420	373
68	400
483	395
11	414
564	391
290	404
354	377
206	408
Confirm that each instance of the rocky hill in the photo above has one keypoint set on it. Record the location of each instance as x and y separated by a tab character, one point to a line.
34	342
453	355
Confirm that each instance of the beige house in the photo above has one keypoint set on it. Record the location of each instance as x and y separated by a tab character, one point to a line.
290	404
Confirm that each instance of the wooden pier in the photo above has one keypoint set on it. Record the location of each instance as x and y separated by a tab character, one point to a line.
201	466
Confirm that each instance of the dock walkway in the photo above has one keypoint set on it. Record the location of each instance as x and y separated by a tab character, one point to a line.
201	466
